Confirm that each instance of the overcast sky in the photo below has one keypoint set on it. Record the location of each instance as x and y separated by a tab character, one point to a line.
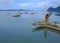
28	4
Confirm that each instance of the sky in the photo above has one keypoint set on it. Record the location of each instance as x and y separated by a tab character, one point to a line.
28	4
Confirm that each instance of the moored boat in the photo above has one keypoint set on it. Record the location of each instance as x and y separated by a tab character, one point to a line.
57	14
17	15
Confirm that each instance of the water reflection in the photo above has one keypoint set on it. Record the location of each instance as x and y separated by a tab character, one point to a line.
46	31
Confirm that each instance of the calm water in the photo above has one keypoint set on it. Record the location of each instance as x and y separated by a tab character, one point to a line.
19	29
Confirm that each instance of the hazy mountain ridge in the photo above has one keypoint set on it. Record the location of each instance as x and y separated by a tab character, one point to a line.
51	9
15	10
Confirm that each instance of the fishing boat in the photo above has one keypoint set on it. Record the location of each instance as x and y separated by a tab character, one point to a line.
48	25
17	15
57	14
32	13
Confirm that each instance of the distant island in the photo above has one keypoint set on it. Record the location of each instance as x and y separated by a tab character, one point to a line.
51	9
16	10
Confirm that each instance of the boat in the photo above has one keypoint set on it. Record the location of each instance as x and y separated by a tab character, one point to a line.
32	13
17	15
57	14
25	12
48	25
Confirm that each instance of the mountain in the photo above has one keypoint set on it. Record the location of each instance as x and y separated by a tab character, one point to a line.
57	9
15	10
